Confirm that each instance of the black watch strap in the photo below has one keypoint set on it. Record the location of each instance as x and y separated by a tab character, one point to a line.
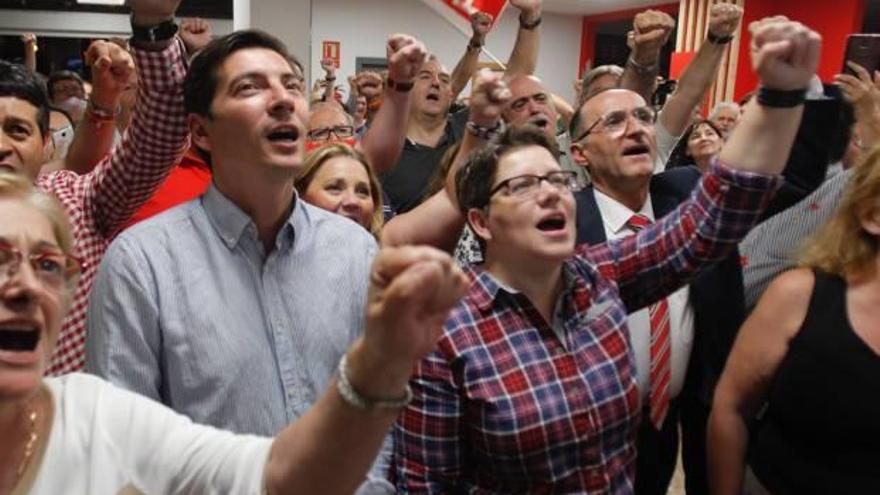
718	40
151	34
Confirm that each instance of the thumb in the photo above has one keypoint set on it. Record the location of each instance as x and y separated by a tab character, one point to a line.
773	50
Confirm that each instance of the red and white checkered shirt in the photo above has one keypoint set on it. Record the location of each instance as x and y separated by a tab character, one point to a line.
99	203
505	405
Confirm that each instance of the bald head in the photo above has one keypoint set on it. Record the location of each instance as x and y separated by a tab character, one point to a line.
531	103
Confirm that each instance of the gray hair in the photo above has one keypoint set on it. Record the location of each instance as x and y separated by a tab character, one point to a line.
722	105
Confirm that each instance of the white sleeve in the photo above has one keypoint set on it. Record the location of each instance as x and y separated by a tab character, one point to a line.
665	145
165	452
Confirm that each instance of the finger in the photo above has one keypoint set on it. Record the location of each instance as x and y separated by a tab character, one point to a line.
392	261
846	79
860	71
773	51
650	37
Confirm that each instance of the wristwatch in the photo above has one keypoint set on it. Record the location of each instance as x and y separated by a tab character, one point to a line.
399	86
151	34
718	40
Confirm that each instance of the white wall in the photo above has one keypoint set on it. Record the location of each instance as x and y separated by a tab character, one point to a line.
76	24
362	26
289	20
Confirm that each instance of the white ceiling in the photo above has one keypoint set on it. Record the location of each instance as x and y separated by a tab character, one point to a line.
590	7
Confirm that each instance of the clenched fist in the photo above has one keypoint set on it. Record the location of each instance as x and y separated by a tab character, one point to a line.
785	54
112	72
405	57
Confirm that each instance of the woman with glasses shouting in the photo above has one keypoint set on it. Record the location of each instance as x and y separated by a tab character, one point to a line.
532	387
80	434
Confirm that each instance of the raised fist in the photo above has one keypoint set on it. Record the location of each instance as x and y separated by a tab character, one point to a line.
369	83
481	23
195	33
405	57
785	54
530	10
651	30
112	72
488	97
412	290
29	39
724	19
152	12
329	66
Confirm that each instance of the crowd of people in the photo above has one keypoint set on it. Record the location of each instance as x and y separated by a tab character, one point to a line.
215	279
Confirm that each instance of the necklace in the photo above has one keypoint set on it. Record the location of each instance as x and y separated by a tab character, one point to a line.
32	440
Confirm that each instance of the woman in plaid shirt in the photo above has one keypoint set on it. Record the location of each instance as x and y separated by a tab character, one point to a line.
532	387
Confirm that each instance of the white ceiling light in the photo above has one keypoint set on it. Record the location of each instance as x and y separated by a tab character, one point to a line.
101	2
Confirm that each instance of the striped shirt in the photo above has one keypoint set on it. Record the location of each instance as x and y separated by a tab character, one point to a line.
504	406
189	310
100	202
771	248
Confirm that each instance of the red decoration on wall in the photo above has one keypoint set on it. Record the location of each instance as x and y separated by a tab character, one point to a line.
464	8
330	49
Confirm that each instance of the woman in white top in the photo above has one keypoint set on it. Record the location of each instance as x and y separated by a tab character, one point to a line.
79	434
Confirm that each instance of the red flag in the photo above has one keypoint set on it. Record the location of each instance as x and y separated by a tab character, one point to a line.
465	8
458	12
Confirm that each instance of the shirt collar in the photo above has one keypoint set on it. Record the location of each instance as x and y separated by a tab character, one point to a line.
486	289
231	223
615	214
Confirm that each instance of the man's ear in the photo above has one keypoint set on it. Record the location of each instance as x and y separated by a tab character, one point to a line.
579	155
479	222
198	131
48	146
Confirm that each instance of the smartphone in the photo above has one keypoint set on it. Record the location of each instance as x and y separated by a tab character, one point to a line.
863	49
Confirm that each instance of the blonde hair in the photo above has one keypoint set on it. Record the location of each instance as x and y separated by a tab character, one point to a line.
14	186
316	159
842	246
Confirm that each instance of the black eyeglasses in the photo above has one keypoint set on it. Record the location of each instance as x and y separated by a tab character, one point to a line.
525	185
323	134
615	122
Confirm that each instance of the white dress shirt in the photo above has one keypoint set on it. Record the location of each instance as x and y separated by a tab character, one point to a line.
681	317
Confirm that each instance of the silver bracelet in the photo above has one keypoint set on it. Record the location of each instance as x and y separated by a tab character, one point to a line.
358	401
642	69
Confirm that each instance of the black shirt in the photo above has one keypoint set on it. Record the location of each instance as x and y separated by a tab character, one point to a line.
406	183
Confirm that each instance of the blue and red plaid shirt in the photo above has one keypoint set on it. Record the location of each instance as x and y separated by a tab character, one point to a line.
503	406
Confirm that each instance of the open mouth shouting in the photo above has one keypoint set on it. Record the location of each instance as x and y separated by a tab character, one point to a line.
553	224
540	121
284	136
637	150
18	342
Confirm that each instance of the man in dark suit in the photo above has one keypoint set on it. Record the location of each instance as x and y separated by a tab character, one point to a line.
614	140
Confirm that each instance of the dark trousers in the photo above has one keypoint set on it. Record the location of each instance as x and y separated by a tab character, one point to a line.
657	453
694	420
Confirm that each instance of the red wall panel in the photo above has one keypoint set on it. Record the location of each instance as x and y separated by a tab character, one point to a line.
832	19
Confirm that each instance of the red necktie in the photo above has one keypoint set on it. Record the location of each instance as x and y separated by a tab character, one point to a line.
661	372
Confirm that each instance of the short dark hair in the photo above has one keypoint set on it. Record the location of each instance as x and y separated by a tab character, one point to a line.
201	79
679	156
16	81
474	180
62	75
200	84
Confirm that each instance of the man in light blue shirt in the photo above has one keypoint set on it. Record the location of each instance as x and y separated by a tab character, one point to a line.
235	308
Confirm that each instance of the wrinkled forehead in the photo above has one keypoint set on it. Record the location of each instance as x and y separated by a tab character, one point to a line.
327	116
611	100
728	112
526	86
434	66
